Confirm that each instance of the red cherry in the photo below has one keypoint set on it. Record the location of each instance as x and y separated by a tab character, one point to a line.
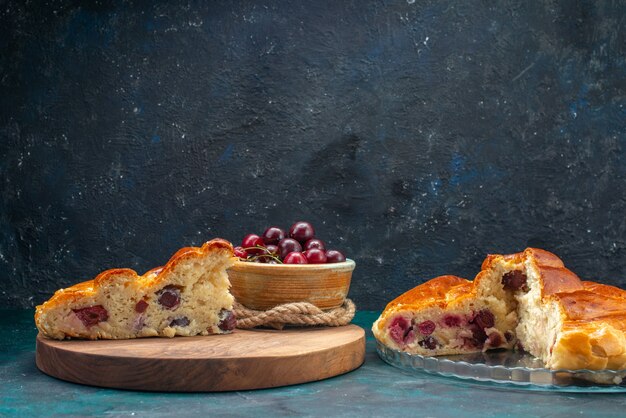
241	253
141	306
273	235
334	256
288	245
315	256
427	327
295	258
452	320
314	243
169	296
91	315
271	249
302	231
251	241
269	253
429	342
228	320
484	319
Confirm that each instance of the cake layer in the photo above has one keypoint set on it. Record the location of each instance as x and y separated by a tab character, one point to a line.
188	296
528	300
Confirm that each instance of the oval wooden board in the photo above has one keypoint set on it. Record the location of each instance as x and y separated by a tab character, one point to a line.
245	359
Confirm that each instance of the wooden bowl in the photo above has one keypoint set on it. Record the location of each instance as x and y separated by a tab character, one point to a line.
262	286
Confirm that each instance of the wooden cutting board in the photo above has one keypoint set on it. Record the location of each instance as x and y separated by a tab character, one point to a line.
245	359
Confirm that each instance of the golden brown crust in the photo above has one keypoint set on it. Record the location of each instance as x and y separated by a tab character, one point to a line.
605	289
435	292
593	315
89	288
596	302
542	257
557	280
555	277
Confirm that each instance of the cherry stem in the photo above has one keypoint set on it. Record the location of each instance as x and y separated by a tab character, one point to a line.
268	254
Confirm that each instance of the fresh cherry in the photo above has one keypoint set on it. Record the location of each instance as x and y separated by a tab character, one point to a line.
295	258
273	235
314	243
251	242
271	249
288	245
241	253
274	245
302	231
270	253
315	256
334	256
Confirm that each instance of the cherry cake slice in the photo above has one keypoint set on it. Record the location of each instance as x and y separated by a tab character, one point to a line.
188	296
526	301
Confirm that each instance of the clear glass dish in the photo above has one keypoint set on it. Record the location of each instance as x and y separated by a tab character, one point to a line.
507	368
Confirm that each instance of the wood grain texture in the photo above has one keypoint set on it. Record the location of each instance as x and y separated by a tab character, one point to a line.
245	359
264	286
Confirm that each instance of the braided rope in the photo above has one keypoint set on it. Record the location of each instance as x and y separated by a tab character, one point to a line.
297	313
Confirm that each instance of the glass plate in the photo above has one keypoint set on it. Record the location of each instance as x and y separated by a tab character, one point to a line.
507	368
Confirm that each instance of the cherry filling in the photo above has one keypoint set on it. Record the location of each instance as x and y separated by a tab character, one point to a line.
494	340
409	336
481	320
169	296
399	328
426	327
452	320
402	331
92	315
484	319
429	343
228	321
141	306
180	322
515	280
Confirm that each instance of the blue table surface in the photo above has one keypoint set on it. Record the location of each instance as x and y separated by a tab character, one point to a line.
375	389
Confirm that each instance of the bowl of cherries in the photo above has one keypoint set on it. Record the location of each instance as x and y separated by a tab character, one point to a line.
284	266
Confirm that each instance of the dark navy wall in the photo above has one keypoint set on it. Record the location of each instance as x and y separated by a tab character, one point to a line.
418	136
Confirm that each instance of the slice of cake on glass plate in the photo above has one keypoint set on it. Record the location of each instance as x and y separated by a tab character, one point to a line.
527	300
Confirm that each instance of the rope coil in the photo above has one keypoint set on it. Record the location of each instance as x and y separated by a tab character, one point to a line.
297	313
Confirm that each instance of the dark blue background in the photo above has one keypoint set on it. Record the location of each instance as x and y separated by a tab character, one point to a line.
417	136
